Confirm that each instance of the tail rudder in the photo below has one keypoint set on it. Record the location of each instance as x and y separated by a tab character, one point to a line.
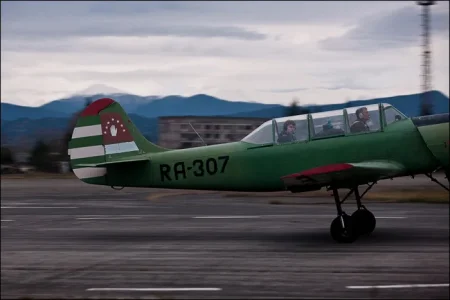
104	133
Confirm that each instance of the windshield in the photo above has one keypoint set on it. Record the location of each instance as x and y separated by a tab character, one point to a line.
392	114
261	135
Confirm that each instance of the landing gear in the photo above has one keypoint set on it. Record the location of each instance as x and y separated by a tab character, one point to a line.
342	227
364	219
435	180
345	228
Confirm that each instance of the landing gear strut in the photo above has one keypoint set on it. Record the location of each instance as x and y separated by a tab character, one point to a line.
345	228
435	180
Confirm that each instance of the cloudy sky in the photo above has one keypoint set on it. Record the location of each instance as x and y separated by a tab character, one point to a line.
271	52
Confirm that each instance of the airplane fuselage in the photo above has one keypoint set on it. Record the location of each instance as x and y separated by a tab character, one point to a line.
241	166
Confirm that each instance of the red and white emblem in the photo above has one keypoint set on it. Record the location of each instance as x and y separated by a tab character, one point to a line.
113	129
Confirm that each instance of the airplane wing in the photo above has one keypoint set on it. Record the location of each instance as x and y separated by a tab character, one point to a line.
342	175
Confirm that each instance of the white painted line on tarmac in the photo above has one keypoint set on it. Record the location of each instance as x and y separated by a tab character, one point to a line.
7	220
226	217
108	218
281	216
397	286
47	207
153	289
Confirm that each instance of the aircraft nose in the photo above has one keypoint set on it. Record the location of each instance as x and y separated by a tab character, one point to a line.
435	132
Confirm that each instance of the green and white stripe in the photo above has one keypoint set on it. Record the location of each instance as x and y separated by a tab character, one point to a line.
86	147
85	131
89	172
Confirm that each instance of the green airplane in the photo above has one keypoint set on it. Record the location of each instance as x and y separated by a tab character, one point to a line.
340	149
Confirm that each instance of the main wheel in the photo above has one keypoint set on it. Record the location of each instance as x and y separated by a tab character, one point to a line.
364	221
341	234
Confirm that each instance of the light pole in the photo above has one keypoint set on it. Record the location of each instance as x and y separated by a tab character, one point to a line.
426	105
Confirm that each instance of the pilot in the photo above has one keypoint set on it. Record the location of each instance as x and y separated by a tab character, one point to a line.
362	118
328	126
329	129
288	133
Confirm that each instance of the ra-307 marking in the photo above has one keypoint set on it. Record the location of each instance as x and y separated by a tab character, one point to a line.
209	166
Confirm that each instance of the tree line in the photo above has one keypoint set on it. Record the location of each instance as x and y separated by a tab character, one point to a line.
45	156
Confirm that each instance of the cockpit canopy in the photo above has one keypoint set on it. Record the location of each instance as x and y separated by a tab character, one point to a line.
347	121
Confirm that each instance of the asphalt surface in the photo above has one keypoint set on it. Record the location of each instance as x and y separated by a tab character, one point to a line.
66	239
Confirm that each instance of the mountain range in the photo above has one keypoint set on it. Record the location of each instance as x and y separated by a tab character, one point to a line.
23	124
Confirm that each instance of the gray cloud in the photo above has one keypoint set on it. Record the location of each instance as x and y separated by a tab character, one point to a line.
135	30
170	48
282	91
34	20
112	75
174	47
244	12
401	28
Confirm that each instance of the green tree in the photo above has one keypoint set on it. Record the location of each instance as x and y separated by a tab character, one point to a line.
40	157
7	157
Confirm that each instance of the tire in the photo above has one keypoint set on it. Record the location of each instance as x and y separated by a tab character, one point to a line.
364	221
339	234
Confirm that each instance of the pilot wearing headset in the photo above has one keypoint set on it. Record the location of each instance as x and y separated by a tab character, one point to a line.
362	118
288	133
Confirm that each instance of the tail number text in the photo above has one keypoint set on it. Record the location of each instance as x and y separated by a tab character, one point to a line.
199	168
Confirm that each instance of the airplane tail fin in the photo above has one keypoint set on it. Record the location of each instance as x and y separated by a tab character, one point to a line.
104	135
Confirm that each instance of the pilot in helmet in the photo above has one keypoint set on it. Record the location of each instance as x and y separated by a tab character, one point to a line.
288	133
362	120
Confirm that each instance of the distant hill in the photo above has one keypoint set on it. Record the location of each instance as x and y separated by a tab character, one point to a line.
198	105
204	105
149	106
13	112
25	131
407	104
131	103
21	124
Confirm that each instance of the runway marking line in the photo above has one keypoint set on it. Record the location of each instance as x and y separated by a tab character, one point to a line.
109	218
168	194
397	286
226	217
29	207
153	289
275	216
7	220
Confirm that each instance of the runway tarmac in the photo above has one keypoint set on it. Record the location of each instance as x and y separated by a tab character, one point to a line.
66	239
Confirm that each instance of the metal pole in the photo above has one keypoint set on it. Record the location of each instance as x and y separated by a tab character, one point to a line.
426	57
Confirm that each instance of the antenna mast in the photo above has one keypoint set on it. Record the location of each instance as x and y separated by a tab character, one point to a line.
197	134
426	57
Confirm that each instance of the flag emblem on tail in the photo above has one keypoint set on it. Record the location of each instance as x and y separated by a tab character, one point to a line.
116	136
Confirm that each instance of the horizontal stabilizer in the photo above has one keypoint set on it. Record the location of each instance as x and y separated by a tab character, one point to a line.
116	162
342	174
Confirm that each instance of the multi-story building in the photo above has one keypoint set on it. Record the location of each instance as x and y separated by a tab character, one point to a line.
177	133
